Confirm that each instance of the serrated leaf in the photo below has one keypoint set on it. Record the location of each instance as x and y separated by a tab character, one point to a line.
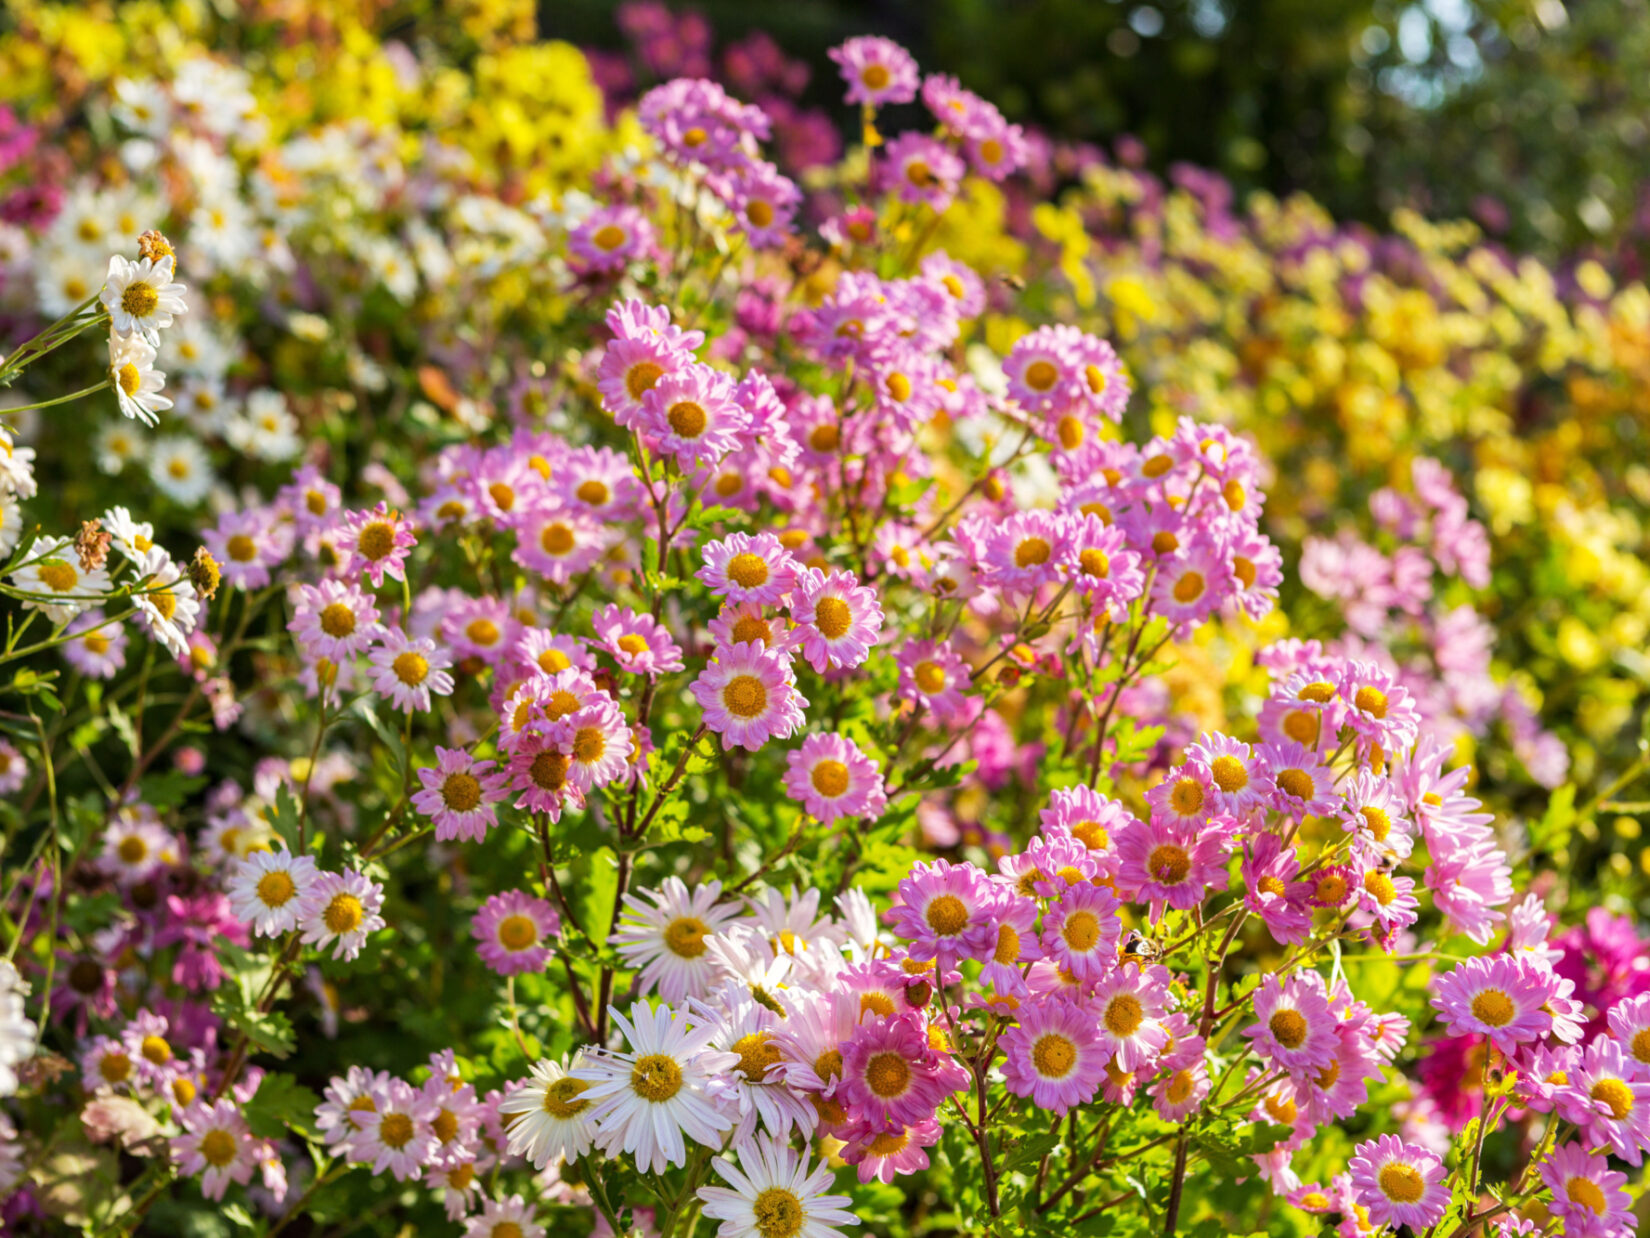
281	1104
1029	1150
283	818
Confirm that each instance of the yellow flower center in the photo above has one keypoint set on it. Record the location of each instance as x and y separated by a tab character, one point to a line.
1493	1008
140	299
1616	1095
778	1213
556	539
824	437
1032	552
930	677
1008	945
132	850
748	571
343	914
589	744
242	548
687	419
1188	588
96	643
1053	1055
549	770
1041	375
899	387
115	1066
553	660
830	778
1585	1191
396	1130
609	237
1380	885
57	575
1081	931
745	696
759	212
1180	1087
156	1051
1296	783
1187	796
685	937
1094	563
130	378
1319	693
218	1147
639	379
832	617
757	1055
410	668
377	540
1371	701
482	631
1270	885
947	915
276	889
517	932
656	1078
1091	834
1168	863
875	76
1229	773
1301	726
1288	1028
887	1074
1124	1014
1402	1184
561	1098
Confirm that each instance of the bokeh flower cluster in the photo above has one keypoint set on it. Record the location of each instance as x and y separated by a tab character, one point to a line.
594	649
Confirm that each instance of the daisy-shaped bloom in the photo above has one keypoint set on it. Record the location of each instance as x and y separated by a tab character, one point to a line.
945	911
775	1194
136	383
339	912
1379	709
933	675
1172	866
1095	559
407	669
609	239
334	619
749	696
459	794
377	542
97	645
1373	814
1185	797
693	415
763	203
547	652
57	585
639	643
511	930
1272	890
922	170
552	1114
745	569
631	368
1499	997
246	545
105	1063
14	770
141	296
1191	585
892	1074
1016	946
838	618
1305	708
555	541
217	1144
1399	1183
166	602
1588	1195
644	1100
1629	1023
1390	899
1610	1102
511	1217
1234	788
1299	785
480	627
665	933
1295	1029
180	469
1081	930
396	1133
136	847
754	1090
268	889
883	1155
598	744
832	778
538	771
1180	1091
877	71
1053	1054
1131	1003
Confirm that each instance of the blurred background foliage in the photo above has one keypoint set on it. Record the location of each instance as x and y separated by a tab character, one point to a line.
1530	116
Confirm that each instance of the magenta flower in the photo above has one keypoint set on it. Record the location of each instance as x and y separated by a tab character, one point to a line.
216	1143
1586	1193
1180	1091
377	543
832	779
1081	931
1295	1029
883	1155
459	795
891	1075
1609	1100
932	674
97	648
556	541
406	670
693	415
749	696
922	170
1297	783
1131	1004
609	239
1272	890
335	620
1172	866
511	931
639	643
1399	1183
1054	1055
744	569
246	545
945	911
877	71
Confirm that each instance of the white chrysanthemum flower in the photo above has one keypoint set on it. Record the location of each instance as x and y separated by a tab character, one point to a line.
117	445
221	237
179	467
11	522
17	1031
269	889
645	1099
142	107
753	1090
137	384
552	1114
142	296
775	1194
666	937
133	538
84	226
267	429
197	347
65	279
166	601
57	585
16	466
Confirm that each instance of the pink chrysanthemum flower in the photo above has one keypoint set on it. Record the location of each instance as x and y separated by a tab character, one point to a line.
882	1155
838	618
1379	709
1043	373
749	696
539	770
1170	865
1084	814
745	569
407	669
1629	1022
396	1135
334	620
377	543
1095	559
268	889
556	541
693	415
598	743
744	623
246	545
1295	1029
217	1144
1609	1100
878	71
892	1075
1081	930
1234	787
609	239
763	203
339	912
96	645
932	674
480	627
639	643
945	911
1054	1055
1191	585
922	170
1272	890
1180	1092
512	930
1499	997
833	779
1399	1183
1298	785
310	499
1131	1004
1587	1195
459	794
1374	815
1185	797
511	1217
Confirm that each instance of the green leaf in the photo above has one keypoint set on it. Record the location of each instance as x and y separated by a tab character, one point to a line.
1552	833
281	1104
1027	1151
168	790
283	818
364	710
596	879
